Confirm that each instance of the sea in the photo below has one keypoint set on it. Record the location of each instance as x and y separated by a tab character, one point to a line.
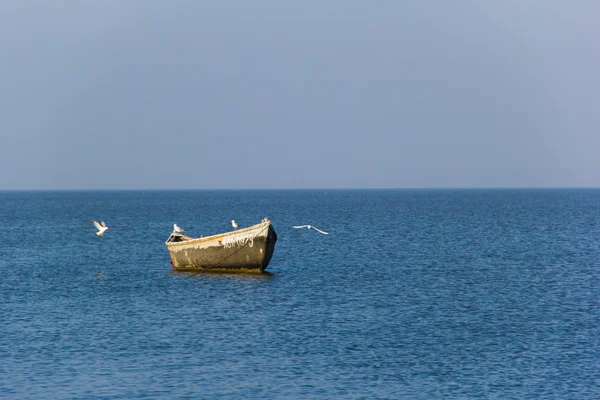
413	294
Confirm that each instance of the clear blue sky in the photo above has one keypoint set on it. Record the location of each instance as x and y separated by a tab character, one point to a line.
124	94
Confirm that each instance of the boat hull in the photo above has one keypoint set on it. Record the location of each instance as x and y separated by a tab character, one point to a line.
244	250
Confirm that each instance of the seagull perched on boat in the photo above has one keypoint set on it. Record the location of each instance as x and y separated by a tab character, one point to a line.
177	229
309	227
101	226
234	224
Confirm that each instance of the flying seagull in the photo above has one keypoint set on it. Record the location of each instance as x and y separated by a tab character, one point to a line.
309	227
177	229
234	224
100	226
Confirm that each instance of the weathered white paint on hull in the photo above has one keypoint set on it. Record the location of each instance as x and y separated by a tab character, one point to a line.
248	250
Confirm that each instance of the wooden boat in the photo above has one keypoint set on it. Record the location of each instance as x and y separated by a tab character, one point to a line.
243	250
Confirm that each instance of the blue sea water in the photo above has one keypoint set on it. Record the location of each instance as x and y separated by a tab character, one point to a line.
414	294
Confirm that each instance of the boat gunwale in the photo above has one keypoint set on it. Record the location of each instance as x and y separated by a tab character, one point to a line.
217	236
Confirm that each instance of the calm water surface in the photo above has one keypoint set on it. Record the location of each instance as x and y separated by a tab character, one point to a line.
414	294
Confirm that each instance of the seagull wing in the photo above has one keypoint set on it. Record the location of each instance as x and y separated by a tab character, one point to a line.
323	232
103	224
97	225
301	226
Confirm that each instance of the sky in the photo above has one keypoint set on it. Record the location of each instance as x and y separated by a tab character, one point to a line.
265	94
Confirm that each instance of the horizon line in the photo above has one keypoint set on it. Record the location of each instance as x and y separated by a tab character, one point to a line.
308	189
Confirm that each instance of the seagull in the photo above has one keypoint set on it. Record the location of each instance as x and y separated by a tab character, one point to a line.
234	224
309	227
101	227
177	229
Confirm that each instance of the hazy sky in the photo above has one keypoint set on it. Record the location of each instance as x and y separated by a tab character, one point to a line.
119	94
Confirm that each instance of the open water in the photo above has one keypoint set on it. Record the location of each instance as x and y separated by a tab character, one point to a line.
414	294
